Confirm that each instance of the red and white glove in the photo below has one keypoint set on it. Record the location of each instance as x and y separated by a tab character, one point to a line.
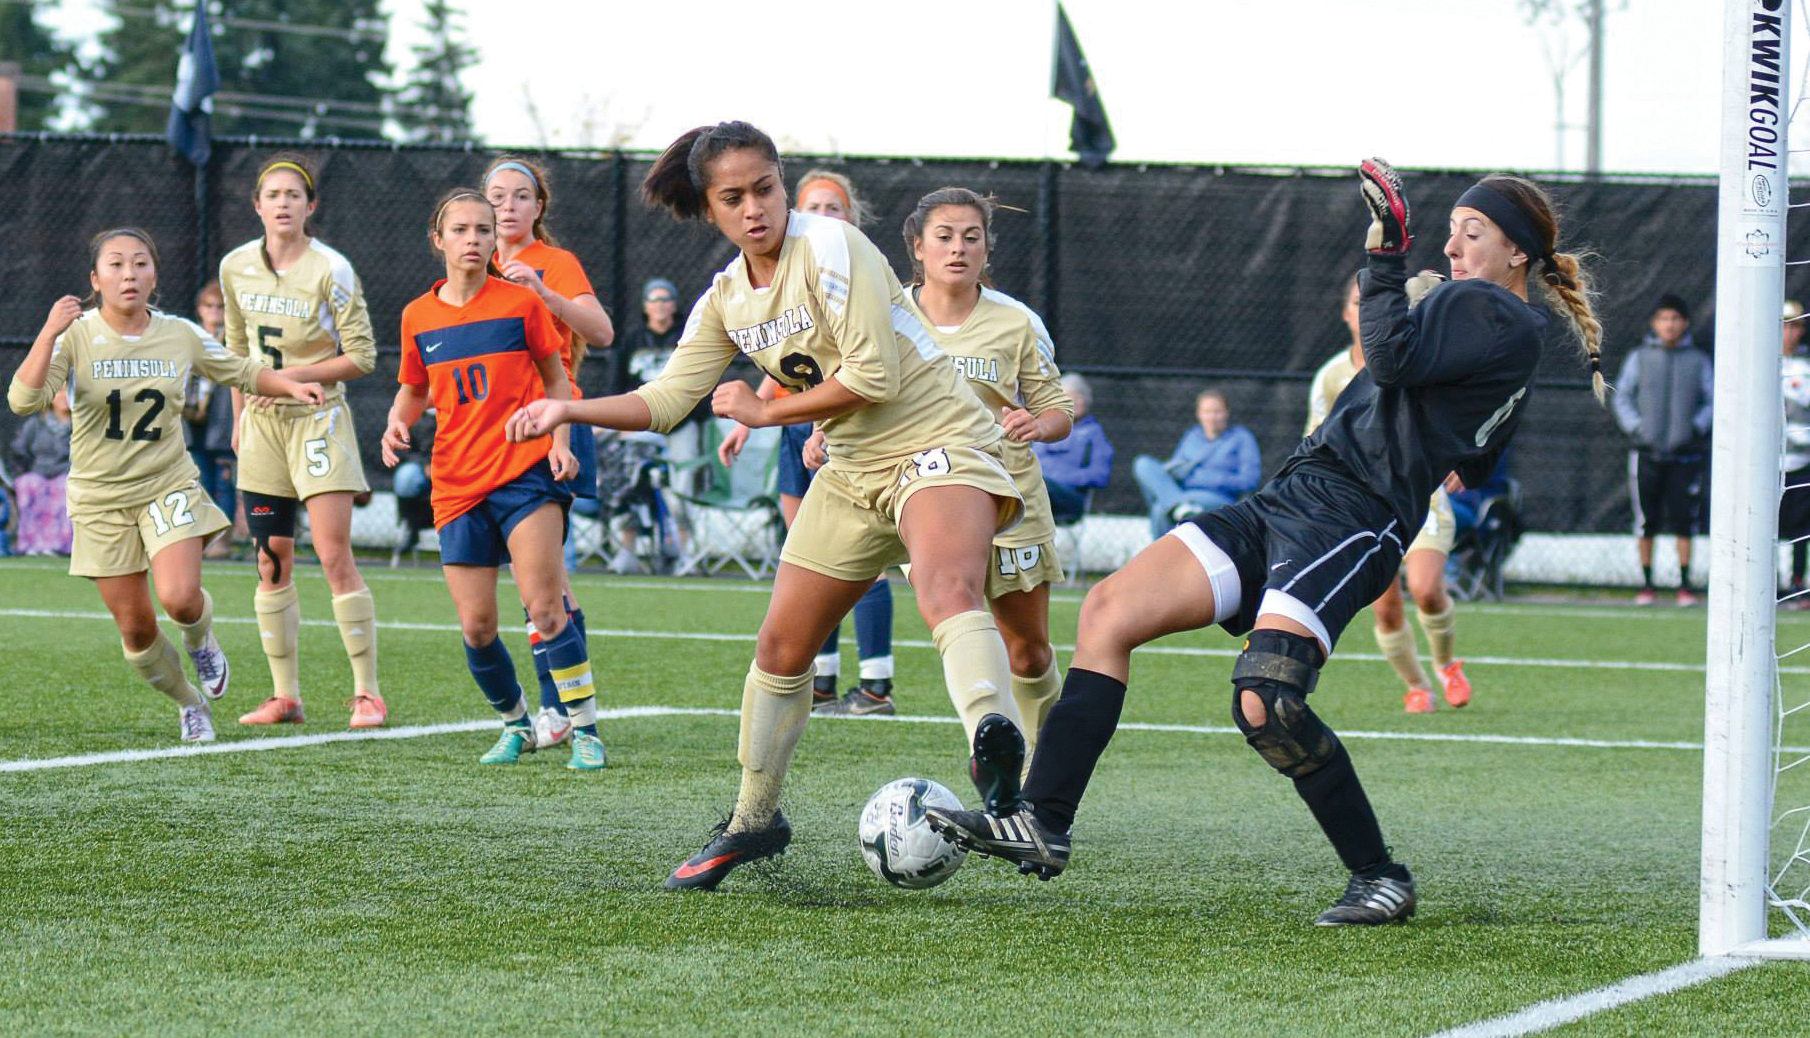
1388	235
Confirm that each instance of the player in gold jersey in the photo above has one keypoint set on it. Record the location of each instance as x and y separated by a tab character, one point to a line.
914	473
1003	350
1425	559
296	302
135	497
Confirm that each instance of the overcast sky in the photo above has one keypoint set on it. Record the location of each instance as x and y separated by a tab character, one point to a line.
1427	83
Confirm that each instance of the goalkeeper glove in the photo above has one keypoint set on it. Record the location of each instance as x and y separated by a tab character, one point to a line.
1388	235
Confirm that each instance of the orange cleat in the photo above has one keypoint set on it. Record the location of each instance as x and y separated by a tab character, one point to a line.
1418	701
368	711
1457	686
275	710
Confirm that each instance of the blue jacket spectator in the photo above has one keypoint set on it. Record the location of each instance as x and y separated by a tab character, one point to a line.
1080	462
1214	463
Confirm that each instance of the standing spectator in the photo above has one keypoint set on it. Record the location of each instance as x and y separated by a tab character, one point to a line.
1213	464
643	355
1079	462
1794	504
40	454
1663	402
208	422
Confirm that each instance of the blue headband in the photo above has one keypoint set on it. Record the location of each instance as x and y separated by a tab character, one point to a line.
520	167
1506	215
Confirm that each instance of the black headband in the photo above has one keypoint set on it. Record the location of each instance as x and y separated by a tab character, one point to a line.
1506	215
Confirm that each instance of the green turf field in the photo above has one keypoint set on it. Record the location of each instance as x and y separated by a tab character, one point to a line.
395	887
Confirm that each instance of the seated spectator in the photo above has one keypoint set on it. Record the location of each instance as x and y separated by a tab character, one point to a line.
40	456
1469	501
1079	462
1213	464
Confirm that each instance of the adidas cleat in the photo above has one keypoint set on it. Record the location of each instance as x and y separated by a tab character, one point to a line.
705	869
1018	837
1371	902
997	765
516	740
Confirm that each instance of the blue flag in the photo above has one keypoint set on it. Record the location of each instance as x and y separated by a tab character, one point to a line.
1089	134
192	105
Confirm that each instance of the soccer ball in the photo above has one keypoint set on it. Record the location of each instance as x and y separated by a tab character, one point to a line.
897	842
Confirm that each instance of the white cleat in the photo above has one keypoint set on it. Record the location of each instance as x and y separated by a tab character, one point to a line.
211	668
197	723
551	728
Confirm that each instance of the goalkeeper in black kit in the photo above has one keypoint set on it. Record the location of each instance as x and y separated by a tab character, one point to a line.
1444	386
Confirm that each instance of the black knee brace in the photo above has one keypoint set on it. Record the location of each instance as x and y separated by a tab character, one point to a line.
1281	669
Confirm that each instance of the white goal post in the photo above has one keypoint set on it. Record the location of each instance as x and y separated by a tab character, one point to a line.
1742	663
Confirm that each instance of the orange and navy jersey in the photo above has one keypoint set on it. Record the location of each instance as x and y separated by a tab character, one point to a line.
477	362
560	271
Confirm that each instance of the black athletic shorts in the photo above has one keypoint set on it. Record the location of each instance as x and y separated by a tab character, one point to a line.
1794	505
1667	494
1314	534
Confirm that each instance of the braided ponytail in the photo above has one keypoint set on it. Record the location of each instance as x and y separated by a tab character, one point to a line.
1568	290
1562	278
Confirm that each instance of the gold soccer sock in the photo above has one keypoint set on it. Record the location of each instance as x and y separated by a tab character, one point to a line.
161	667
1034	697
356	614
279	630
1442	634
975	668
774	711
1401	652
194	635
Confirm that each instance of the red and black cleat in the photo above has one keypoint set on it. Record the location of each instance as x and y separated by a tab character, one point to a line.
705	869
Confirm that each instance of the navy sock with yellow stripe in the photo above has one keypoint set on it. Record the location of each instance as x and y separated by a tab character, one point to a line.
569	665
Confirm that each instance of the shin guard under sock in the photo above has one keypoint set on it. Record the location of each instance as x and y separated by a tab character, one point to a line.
161	667
774	712
280	634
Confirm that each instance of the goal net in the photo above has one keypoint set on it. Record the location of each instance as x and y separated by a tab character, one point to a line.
1755	893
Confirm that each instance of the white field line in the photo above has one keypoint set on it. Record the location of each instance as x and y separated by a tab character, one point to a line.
913	643
621	713
1543	1016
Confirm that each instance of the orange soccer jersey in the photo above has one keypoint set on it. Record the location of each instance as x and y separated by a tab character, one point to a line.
478	364
560	271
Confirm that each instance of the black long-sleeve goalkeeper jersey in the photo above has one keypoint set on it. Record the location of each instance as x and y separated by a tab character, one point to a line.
1443	387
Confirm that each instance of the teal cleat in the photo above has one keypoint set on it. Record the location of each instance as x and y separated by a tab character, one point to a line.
515	741
587	752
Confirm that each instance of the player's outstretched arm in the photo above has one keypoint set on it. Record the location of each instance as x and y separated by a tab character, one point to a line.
828	399
624	411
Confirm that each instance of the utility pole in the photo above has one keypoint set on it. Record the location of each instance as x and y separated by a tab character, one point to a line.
1593	147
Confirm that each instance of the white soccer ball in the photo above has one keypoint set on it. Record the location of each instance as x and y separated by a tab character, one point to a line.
897	842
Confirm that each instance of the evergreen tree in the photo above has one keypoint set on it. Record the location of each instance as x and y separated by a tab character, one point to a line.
288	83
38	54
434	105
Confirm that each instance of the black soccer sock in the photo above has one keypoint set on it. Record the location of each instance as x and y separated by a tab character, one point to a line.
1336	798
1646	576
1075	734
1800	554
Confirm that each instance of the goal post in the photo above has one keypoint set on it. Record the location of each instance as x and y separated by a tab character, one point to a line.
1742	661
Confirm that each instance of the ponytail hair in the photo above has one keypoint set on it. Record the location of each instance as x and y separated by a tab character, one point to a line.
681	174
537	179
1562	279
93	298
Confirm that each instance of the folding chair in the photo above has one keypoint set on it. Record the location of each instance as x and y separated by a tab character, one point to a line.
1076	530
1474	571
735	518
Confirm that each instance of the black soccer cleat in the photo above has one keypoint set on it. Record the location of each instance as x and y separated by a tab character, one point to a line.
1371	902
997	763
1018	837
823	692
705	869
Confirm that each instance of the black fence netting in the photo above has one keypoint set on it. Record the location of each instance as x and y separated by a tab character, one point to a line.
1155	281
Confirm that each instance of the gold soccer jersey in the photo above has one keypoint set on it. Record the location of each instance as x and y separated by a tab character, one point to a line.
1005	355
304	315
125	392
834	310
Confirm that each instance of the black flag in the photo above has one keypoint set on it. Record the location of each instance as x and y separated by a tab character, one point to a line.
191	107
1089	135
